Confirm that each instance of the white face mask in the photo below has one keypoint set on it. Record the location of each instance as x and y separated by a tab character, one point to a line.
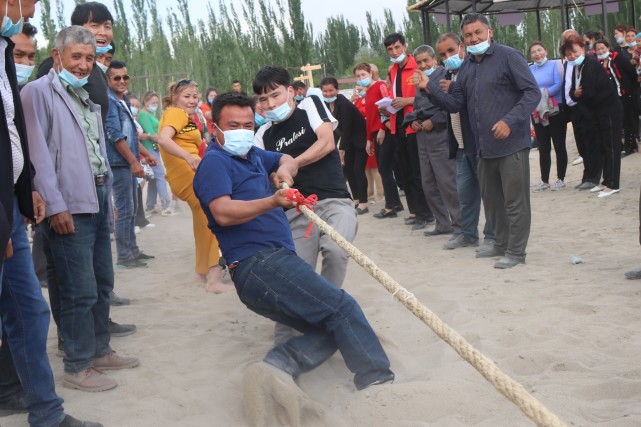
102	66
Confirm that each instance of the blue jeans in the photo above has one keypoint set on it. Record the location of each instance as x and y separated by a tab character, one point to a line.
125	191
469	195
25	316
80	275
279	285
158	185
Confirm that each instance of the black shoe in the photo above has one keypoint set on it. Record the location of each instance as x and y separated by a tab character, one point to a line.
118	330
131	263
436	232
385	214
13	405
410	220
398	208
419	225
362	211
70	421
143	255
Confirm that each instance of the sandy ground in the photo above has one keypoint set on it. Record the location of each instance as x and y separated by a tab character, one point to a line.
571	334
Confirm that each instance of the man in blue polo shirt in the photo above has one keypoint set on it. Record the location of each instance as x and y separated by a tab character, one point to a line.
232	184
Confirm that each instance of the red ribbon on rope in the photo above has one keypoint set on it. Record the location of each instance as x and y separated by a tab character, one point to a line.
299	200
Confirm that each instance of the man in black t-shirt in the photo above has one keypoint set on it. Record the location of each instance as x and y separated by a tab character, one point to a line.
306	132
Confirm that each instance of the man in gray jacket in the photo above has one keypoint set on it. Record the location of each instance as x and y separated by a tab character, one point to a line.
67	146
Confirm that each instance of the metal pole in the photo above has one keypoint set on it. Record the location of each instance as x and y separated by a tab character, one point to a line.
538	23
633	15
474	6
563	21
604	9
425	30
447	16
428	32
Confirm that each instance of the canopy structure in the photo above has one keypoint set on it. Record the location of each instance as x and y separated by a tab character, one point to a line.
510	11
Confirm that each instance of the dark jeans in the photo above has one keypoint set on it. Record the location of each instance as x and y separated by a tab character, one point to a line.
630	121
505	186
411	170
279	285
125	202
38	255
354	170
608	124
469	196
587	143
553	133
80	274
25	316
385	154
141	219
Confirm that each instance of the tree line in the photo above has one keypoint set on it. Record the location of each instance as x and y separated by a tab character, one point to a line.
235	39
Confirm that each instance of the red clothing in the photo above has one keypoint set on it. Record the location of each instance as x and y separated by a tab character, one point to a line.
376	92
205	109
409	91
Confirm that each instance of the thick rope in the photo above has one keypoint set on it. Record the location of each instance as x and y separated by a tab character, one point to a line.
509	388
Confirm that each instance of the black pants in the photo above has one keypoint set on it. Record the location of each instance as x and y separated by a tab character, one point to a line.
608	123
141	220
630	123
553	133
38	255
354	170
385	155
587	143
411	171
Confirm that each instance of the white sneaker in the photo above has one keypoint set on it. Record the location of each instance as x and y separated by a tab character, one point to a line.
558	185
136	229
577	161
150	225
607	193
541	186
168	212
597	189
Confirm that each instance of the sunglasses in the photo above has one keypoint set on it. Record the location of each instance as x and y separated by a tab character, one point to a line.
185	82
118	78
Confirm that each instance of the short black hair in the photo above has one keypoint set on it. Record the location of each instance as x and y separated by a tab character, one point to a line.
470	18
329	80
235	81
603	42
91	11
29	30
393	38
298	85
230	98
116	65
269	78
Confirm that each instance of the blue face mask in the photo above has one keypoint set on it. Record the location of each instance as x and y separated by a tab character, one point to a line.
72	80
152	109
604	55
541	62
279	113
365	82
299	98
398	60
200	103
453	62
9	29
134	111
23	72
632	44
238	142
101	50
590	46
330	100
429	72
259	120
577	62
210	100
361	93
481	48
620	40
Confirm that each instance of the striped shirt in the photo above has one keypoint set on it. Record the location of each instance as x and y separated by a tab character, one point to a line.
10	113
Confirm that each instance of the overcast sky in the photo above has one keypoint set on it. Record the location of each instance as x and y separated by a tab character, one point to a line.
315	11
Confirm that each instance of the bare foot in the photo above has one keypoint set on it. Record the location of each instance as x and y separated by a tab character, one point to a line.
215	283
200	278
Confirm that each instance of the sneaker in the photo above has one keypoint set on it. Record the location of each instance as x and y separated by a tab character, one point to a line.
143	255
386	214
460	241
131	263
153	210
558	185
585	186
508	262
114	360
118	330
136	229
541	186
387	377
168	212
14	404
633	274
597	189
487	244
90	379
410	220
150	225
70	421
607	193
490	252
116	301
577	161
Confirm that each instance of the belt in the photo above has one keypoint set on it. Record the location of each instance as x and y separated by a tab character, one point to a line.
100	179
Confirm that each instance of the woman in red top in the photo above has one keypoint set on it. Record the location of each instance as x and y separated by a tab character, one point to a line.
378	140
374	182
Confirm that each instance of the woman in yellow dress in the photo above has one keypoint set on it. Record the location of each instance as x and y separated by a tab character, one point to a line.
179	140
